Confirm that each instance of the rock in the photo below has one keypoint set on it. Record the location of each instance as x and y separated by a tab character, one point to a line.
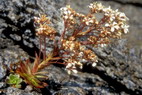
130	1
2	71
119	66
16	91
78	84
71	91
10	53
2	84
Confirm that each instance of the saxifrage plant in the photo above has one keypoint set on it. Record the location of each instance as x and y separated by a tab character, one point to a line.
80	31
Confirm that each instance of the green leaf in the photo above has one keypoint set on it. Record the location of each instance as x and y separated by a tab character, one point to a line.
14	80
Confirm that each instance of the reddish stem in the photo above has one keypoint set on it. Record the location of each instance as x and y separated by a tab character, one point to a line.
40	43
44	52
79	30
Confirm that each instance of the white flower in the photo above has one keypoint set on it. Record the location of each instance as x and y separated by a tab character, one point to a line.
87	22
68	12
114	26
94	64
36	18
91	21
82	48
99	6
91	5
65	12
102	45
107	24
64	9
71	17
80	54
107	10
74	71
84	60
116	11
112	17
72	45
69	65
112	29
69	72
65	17
121	16
79	63
81	66
73	64
125	28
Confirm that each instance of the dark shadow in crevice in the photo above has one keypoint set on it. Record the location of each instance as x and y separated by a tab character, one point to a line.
45	91
52	86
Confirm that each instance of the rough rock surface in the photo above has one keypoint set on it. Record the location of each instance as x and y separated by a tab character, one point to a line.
119	70
16	91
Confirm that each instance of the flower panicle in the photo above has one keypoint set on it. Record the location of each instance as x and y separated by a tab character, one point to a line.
42	27
94	32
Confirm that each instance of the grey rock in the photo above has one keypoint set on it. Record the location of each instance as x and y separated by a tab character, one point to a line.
2	71
71	91
77	84
121	67
10	53
130	1
16	91
2	84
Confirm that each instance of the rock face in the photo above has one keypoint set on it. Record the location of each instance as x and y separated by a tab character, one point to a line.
119	70
130	1
15	91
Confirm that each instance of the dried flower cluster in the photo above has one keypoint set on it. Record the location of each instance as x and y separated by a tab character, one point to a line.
43	28
114	20
80	31
86	30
